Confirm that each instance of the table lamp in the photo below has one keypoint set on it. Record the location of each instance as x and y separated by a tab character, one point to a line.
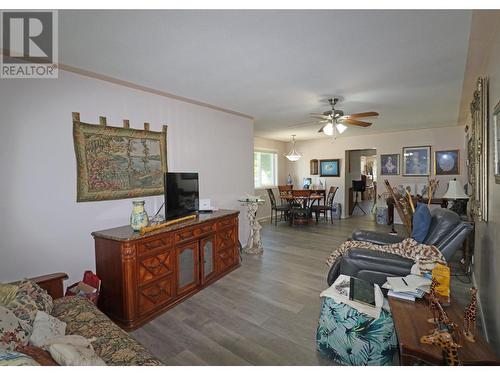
457	194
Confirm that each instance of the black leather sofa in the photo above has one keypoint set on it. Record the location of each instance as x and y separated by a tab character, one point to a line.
447	232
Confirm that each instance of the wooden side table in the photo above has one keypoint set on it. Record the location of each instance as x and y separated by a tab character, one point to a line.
410	323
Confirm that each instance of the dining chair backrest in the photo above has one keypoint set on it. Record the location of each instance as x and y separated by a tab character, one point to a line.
271	197
331	195
285	189
301	193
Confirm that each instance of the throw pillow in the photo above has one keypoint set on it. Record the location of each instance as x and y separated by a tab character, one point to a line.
24	307
74	340
42	299
45	327
421	222
10	358
7	293
14	332
70	355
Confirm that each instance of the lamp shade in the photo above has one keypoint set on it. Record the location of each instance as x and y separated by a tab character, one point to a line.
455	191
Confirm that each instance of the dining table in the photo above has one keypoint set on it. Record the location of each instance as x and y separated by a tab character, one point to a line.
306	200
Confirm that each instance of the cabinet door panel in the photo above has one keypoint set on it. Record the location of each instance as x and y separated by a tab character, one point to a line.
187	267
207	248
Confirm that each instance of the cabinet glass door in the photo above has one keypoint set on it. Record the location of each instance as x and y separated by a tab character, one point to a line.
208	265
187	260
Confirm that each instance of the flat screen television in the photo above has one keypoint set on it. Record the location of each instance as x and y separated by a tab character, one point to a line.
181	194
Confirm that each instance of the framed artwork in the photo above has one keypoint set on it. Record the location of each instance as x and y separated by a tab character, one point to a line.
313	167
329	168
496	124
446	162
389	164
477	154
117	163
417	161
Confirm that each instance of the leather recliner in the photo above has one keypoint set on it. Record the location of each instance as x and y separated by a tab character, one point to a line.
447	232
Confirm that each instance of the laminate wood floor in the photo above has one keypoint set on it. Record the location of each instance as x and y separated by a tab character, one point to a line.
265	312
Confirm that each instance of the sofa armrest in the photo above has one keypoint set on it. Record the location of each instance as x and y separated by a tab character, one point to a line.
375	237
52	283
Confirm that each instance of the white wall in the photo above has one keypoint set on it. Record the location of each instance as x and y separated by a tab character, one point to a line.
386	143
485	45
43	229
279	147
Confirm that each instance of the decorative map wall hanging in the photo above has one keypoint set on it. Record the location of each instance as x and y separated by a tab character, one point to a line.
117	163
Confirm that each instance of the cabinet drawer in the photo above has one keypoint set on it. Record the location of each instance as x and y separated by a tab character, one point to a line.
190	233
226	222
226	238
155	266
156	295
154	244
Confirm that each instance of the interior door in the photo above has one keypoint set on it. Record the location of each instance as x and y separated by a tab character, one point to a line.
188	267
207	248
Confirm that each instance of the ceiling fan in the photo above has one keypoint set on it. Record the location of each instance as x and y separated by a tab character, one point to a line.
336	119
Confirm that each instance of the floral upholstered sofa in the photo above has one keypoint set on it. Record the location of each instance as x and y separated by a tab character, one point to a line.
113	345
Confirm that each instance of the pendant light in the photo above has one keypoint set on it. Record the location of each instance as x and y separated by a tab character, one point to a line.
293	155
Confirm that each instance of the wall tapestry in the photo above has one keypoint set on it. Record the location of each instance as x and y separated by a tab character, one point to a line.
117	163
477	152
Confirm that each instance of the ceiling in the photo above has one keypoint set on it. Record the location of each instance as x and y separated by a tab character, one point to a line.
278	66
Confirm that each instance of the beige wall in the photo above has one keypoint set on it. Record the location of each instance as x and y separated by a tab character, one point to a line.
445	138
280	147
484	59
43	228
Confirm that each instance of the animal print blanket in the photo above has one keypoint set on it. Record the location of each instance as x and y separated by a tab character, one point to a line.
426	256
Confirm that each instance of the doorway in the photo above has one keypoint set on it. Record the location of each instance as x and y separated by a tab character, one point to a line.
361	182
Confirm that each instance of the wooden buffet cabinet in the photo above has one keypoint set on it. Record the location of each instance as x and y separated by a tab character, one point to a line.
142	276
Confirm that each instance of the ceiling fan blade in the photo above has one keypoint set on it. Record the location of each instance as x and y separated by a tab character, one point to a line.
362	114
323	117
354	122
321	130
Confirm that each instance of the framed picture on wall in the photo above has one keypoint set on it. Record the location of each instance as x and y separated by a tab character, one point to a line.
329	168
496	133
417	161
389	164
447	162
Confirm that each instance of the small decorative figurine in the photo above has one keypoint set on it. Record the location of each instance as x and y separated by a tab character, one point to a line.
444	340
433	301
470	316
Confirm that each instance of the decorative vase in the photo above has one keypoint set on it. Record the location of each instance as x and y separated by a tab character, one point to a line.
289	180
139	216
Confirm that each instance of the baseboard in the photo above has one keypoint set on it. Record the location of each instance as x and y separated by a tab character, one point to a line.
485	331
265	218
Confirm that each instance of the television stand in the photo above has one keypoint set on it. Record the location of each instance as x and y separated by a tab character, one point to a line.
145	275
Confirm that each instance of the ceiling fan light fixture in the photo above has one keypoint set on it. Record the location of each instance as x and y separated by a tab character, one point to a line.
341	128
293	155
328	129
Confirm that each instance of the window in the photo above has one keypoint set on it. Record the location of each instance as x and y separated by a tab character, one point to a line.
265	168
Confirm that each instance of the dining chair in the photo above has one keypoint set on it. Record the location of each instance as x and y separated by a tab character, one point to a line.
275	208
328	207
301	206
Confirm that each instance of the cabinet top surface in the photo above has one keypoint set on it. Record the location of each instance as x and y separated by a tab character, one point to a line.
126	233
